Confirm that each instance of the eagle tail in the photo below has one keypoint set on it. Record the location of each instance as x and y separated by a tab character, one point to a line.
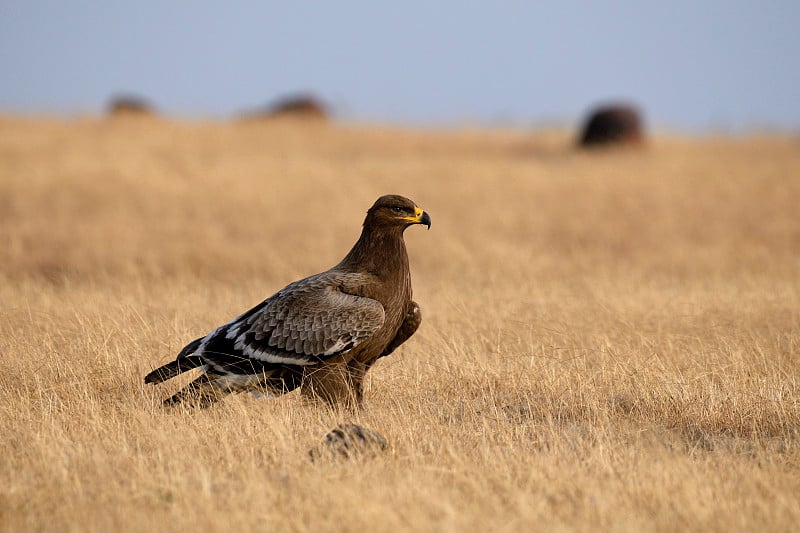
191	347
173	368
185	361
201	393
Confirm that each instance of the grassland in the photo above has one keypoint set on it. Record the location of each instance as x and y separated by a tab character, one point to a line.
611	340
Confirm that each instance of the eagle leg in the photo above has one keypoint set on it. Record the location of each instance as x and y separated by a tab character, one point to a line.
357	370
331	383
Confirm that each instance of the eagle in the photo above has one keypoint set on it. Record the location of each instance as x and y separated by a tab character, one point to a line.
321	333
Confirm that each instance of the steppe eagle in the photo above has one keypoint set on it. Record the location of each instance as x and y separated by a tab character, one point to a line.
321	333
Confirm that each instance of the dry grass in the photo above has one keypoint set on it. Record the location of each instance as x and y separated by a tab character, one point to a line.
611	341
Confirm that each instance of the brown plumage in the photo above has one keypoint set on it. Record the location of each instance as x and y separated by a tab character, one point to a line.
321	333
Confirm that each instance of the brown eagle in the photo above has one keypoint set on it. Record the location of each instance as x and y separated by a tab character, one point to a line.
321	333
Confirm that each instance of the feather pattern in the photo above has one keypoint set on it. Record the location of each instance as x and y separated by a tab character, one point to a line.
303	324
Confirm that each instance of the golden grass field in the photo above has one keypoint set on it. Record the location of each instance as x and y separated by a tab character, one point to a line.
611	341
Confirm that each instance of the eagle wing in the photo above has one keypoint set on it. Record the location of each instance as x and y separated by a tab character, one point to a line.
308	321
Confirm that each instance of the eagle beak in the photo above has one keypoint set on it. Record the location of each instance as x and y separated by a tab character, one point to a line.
425	219
420	217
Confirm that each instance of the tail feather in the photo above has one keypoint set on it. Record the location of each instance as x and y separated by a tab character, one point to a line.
191	347
200	393
173	368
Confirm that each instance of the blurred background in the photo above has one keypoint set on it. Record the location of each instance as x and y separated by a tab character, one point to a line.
718	66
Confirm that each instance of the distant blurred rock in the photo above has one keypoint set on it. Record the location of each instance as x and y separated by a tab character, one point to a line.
618	124
300	106
129	105
348	441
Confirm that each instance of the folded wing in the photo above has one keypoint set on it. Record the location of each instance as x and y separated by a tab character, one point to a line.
305	323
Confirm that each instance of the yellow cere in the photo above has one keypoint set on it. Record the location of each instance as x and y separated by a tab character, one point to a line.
417	215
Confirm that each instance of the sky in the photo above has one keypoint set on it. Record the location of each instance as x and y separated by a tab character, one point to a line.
690	66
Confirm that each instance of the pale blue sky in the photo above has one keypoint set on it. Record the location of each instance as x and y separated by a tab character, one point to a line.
692	66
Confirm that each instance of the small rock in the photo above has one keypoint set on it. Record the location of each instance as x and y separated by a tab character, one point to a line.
348	441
